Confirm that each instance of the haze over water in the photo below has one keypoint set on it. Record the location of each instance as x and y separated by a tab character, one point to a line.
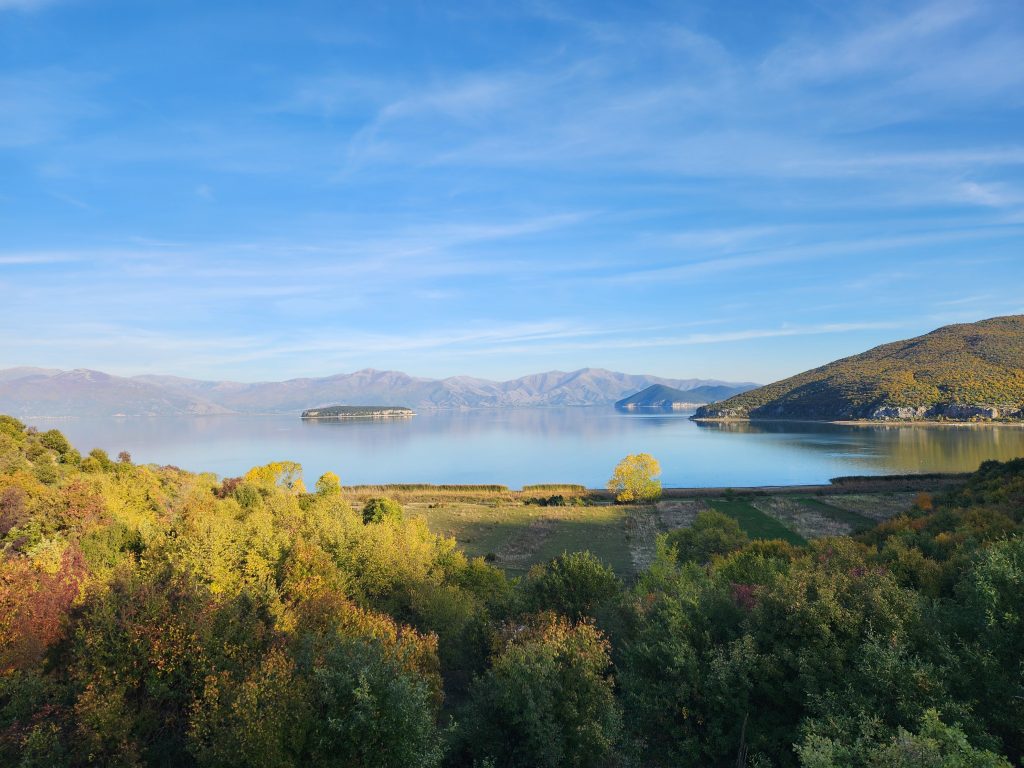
517	447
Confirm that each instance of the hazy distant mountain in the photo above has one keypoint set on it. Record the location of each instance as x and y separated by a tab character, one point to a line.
957	373
7	374
92	393
661	396
588	386
44	392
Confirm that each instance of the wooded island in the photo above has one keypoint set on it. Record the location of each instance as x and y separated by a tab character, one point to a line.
358	412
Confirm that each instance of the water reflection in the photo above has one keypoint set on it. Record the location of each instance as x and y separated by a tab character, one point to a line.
894	447
515	447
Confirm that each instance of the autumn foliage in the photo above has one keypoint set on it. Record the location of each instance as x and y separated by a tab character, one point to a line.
155	617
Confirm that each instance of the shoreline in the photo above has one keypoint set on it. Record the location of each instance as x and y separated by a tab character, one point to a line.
880	484
359	416
864	422
839	485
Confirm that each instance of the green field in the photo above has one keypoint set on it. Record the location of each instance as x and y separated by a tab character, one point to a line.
517	534
517	529
755	523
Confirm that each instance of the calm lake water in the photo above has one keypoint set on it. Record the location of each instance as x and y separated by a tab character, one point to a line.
516	447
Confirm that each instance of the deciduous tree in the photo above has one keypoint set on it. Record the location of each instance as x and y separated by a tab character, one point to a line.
635	479
329	484
546	701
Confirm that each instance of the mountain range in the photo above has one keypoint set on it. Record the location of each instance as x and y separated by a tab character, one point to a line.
27	392
963	372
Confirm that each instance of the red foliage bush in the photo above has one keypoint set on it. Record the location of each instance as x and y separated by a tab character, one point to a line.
13	508
34	606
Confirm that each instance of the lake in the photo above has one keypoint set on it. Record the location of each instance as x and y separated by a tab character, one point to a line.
516	447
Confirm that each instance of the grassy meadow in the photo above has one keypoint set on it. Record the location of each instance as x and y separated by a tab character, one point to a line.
518	529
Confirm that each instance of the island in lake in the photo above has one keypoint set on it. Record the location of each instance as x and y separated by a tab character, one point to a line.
358	412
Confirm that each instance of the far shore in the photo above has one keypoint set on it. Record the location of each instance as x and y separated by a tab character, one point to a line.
929	423
866	422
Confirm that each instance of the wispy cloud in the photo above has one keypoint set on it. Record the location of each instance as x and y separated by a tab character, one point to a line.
605	175
771	254
181	351
696	339
992	195
896	40
15	259
72	201
40	105
25	5
705	111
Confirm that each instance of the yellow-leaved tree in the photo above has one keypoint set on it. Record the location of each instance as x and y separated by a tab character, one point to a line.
635	479
329	484
286	475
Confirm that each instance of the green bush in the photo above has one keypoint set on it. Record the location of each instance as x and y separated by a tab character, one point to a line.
574	584
712	533
380	509
547	700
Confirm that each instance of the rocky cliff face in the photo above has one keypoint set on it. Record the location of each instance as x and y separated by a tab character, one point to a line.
840	412
950	411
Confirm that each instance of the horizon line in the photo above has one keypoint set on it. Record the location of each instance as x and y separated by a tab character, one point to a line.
58	371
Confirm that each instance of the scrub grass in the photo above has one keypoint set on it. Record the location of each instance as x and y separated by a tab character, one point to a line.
520	535
494	495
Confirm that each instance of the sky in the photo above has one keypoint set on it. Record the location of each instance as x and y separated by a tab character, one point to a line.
263	190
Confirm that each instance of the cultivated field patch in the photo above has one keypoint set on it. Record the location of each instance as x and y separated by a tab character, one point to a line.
518	530
810	522
877	507
642	529
678	513
603	530
855	521
519	535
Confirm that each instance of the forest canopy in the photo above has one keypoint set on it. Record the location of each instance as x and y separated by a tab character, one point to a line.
154	617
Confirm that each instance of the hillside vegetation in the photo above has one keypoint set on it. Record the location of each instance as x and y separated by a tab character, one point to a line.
155	617
972	371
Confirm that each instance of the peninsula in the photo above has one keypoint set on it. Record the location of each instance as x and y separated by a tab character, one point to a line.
358	412
970	372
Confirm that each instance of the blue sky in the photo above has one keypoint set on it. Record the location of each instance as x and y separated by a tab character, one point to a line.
258	190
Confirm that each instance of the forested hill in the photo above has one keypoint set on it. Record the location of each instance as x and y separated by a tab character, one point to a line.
661	396
960	372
